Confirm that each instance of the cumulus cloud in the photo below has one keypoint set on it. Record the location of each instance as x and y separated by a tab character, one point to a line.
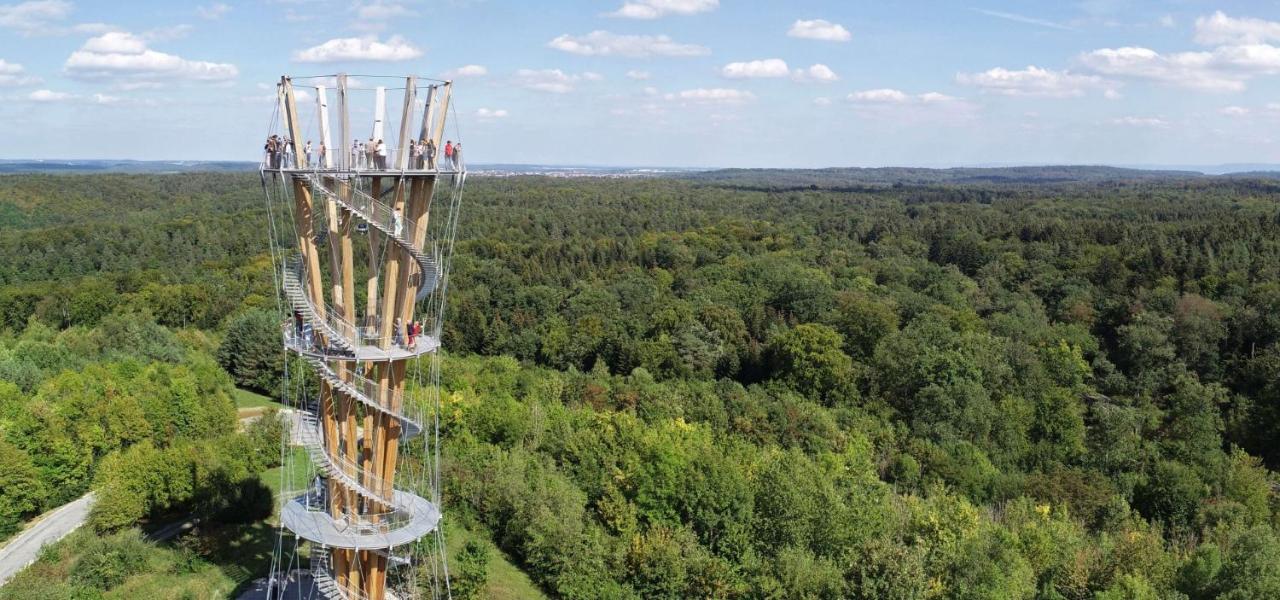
888	103
819	29
638	75
769	67
603	43
653	9
466	71
711	96
14	74
881	95
49	96
1219	29
1031	81
553	81
213	12
486	114
44	17
367	48
1224	69
123	56
1149	122
35	17
1234	111
818	73
822	101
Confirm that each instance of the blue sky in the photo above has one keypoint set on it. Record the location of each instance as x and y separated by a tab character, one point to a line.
668	82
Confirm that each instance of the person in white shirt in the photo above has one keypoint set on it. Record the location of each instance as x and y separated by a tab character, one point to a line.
306	150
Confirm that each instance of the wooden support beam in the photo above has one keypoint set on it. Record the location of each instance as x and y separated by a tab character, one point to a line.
344	128
406	121
445	92
322	108
291	118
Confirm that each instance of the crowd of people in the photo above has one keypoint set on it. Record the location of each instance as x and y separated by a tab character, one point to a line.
370	155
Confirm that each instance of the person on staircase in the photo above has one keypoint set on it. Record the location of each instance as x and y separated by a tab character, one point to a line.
397	223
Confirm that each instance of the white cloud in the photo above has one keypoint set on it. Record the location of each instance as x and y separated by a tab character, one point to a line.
653	9
382	10
552	81
367	48
1219	29
1166	21
213	12
712	96
1031	81
35	17
603	43
769	67
49	96
888	103
1234	111
638	75
819	29
1224	69
1150	122
819	73
121	56
822	101
882	95
466	71
13	74
485	114
105	99
592	76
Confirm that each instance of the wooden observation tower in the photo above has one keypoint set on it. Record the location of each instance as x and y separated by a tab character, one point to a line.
362	269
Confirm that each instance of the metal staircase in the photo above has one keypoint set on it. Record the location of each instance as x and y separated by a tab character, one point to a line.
384	219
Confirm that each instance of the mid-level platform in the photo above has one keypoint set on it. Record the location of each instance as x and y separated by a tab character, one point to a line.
310	520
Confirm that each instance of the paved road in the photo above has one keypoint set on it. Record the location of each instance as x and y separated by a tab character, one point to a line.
56	524
53	526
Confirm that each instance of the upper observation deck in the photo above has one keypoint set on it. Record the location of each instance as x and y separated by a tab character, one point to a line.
402	130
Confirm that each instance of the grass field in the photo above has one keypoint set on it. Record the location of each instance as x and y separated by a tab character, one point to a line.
298	476
506	581
248	399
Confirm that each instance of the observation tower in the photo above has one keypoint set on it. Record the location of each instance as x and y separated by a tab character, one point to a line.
362	218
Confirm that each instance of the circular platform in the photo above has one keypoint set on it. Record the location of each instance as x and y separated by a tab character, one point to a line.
314	524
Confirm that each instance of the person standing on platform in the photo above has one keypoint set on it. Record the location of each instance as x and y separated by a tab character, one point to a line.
382	156
370	150
413	154
323	152
431	154
306	150
355	154
448	152
457	156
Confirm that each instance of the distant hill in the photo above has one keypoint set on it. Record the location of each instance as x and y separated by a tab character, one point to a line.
123	166
852	176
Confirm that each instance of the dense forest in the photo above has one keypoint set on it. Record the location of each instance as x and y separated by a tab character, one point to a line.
974	385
